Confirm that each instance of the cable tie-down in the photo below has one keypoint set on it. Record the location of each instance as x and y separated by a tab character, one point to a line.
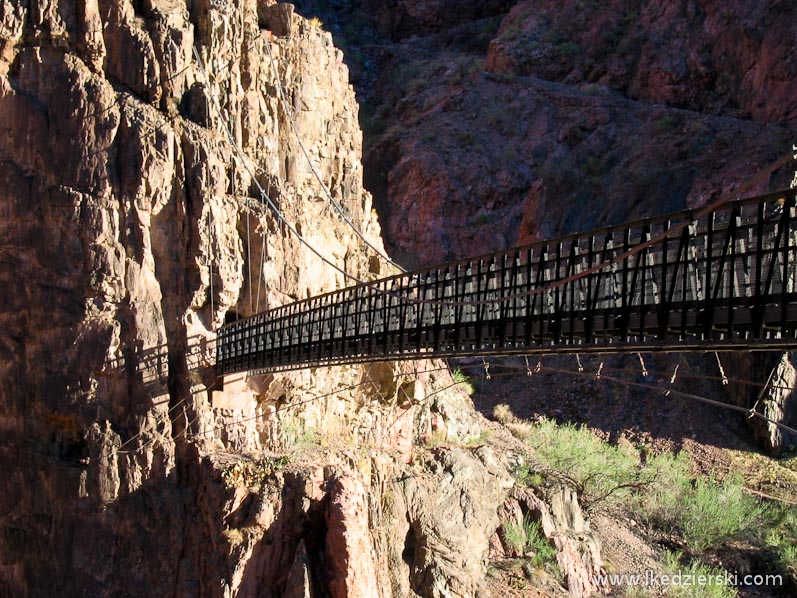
529	373
672	380
642	363
578	361
598	373
725	380
487	375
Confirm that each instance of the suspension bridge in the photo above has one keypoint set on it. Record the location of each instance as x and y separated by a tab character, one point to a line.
718	279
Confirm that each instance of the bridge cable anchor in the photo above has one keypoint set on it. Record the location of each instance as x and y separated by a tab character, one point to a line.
725	380
487	375
538	367
578	361
529	373
642	363
598	373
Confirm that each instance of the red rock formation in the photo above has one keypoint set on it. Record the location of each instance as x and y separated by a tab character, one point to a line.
576	115
702	55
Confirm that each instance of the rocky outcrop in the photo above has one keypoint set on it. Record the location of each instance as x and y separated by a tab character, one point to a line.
479	149
702	55
470	178
138	143
774	399
563	523
403	18
575	115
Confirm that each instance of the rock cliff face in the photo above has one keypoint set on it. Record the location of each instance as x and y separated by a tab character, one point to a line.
505	123
561	116
132	225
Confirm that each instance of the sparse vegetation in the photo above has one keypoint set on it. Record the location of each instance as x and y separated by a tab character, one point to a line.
315	23
435	439
566	49
465	138
781	537
481	219
592	166
685	573
716	513
600	472
372	124
298	436
234	536
251	474
519	429
666	123
481	439
526	476
703	512
527	538
462	381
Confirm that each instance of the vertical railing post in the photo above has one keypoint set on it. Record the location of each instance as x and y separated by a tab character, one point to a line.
664	303
589	315
758	302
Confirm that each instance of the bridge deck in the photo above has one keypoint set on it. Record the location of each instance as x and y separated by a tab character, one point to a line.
727	280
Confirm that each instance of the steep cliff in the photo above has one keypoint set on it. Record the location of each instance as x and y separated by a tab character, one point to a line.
137	143
497	123
520	120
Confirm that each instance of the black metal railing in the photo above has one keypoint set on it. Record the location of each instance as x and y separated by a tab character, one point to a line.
723	280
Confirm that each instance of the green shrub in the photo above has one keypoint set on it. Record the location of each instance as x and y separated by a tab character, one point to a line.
662	493
527	536
660	505
714	514
598	470
716	586
567	49
705	512
251	474
462	381
666	123
781	536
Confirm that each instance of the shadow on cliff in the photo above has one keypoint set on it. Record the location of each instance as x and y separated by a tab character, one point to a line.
612	403
289	560
150	367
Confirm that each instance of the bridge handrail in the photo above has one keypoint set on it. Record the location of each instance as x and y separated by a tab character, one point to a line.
678	216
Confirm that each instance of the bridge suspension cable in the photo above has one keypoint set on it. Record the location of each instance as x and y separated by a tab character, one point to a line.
338	208
280	216
529	292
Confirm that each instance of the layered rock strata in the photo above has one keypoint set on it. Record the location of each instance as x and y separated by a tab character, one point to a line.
137	142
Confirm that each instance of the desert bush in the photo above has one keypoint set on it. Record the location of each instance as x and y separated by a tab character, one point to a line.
703	512
782	531
663	493
526	476
503	413
715	513
599	471
462	381
687	572
527	537
660	504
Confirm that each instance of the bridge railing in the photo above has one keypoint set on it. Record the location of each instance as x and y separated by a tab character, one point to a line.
725	277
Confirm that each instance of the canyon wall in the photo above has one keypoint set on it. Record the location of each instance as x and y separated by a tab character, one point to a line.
493	128
506	123
138	140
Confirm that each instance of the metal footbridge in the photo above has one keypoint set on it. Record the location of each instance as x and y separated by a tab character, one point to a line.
724	279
